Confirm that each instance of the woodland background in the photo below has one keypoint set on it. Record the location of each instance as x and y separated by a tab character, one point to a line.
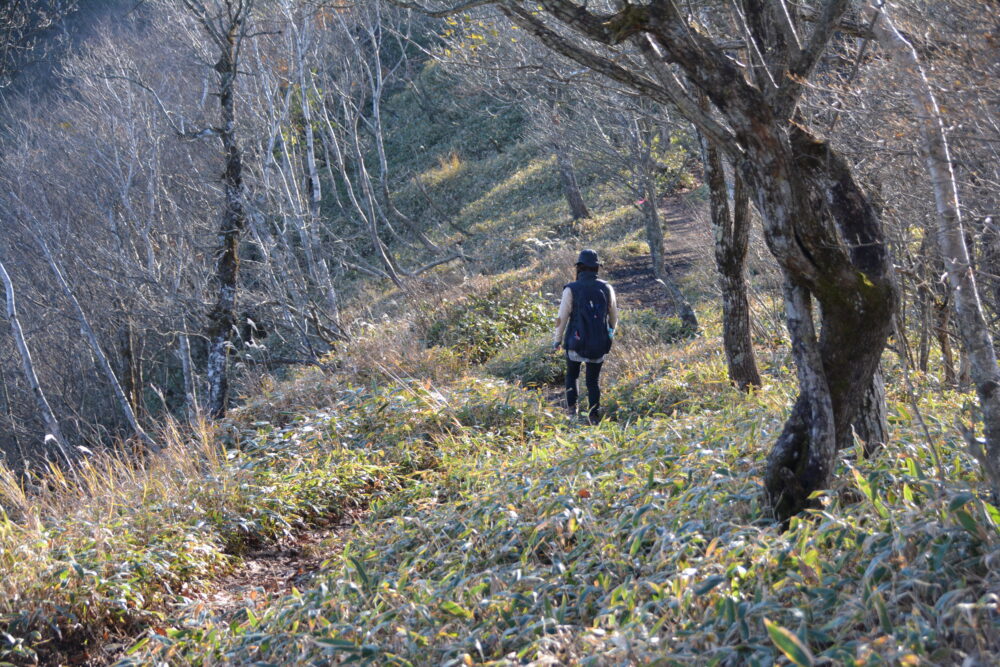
232	226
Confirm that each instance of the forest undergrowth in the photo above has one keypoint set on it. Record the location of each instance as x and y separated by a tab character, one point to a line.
497	532
420	488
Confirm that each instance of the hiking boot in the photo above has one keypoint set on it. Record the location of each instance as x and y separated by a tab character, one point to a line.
571	412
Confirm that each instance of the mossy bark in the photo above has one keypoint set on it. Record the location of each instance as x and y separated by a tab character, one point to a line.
841	261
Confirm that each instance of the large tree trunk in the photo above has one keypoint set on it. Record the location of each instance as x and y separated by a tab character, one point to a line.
872	423
54	435
222	318
732	237
571	190
975	333
828	239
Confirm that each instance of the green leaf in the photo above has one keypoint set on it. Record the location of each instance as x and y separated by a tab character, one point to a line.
994	514
138	645
960	500
790	645
709	584
338	644
455	609
968	522
883	614
863	484
907	493
362	573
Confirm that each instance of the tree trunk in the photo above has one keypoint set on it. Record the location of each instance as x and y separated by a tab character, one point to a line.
991	260
95	347
320	269
54	435
222	318
567	177
9	409
187	373
654	237
848	274
872	424
924	342
131	362
732	237
971	321
941	324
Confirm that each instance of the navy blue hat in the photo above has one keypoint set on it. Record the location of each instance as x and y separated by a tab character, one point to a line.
588	258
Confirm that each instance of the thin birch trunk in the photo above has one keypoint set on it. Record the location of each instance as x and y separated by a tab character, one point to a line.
318	266
187	371
975	334
54	433
95	347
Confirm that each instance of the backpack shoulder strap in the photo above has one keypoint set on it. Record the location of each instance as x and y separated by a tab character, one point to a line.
574	288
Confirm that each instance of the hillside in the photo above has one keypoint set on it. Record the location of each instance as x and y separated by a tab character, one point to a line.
421	511
397	481
412	503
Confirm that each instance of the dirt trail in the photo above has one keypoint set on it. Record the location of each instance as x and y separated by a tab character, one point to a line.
632	277
268	574
259	578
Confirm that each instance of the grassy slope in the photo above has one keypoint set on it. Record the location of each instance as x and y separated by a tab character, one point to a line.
519	537
496	531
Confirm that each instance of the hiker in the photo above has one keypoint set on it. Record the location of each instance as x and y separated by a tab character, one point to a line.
588	315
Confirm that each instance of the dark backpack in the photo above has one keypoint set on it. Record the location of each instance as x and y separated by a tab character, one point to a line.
587	333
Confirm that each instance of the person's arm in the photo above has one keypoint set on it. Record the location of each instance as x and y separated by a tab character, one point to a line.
612	309
565	309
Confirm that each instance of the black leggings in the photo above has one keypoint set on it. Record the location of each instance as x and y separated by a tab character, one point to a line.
593	388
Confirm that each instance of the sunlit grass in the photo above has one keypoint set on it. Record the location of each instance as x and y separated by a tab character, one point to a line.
525	538
641	542
498	532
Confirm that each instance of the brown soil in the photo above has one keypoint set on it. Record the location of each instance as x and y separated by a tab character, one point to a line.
632	276
268	574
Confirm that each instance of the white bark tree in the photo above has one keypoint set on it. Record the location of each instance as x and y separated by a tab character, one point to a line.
54	432
975	334
95	347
